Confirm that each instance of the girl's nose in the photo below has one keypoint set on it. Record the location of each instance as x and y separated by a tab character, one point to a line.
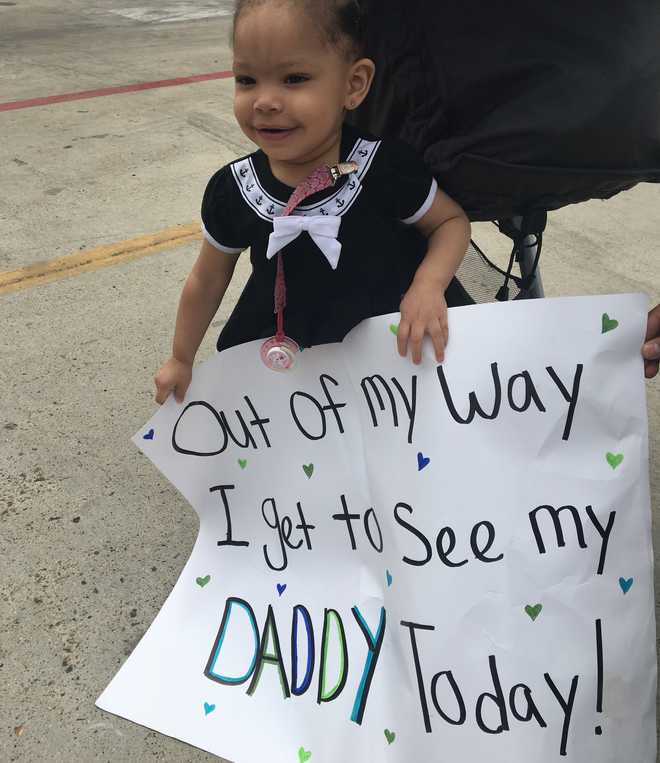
267	100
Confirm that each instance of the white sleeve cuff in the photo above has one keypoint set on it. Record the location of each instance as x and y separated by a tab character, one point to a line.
425	206
221	247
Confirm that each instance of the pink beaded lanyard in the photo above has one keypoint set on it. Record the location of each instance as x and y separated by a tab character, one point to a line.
279	352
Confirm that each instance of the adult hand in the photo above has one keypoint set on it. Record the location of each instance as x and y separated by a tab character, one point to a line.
175	377
651	349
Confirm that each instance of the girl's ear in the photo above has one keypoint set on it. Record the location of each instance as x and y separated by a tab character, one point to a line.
360	77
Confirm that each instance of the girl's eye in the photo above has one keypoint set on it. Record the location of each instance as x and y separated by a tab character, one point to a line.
296	79
243	80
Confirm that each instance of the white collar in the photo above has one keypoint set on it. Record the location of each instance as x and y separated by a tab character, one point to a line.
268	207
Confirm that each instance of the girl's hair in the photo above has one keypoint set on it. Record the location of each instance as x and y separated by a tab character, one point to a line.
341	22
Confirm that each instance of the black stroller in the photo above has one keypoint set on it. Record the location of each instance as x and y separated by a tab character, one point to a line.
519	108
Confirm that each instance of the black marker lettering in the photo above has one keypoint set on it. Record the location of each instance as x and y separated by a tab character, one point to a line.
276	526
417	533
258	421
223	432
480	553
530	393
411	405
332	406
571	398
497	698
345	516
604	533
462	712
367	528
566	706
228	541
554	513
531	712
412	627
475	407
445	550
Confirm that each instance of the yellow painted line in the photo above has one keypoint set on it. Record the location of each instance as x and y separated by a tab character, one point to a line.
100	257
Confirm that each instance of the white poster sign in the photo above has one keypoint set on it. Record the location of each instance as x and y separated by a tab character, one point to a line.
413	563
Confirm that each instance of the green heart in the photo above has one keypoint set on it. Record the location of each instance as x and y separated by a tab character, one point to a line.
614	459
609	324
390	736
308	469
304	755
242	462
394	328
534	611
201	582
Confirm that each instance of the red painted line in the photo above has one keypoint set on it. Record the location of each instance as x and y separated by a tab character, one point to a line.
83	94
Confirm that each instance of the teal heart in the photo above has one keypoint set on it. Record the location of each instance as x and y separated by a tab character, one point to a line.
614	459
389	578
626	585
533	611
242	462
308	469
201	582
609	324
304	755
208	708
390	736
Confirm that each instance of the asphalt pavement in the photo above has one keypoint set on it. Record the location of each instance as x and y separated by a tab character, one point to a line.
92	538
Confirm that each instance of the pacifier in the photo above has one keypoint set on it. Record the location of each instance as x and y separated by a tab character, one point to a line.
279	353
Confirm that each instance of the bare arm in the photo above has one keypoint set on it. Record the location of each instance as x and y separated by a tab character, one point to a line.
201	296
200	299
423	308
447	229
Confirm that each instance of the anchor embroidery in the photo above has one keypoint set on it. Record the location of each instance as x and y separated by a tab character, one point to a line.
259	200
271	210
249	186
243	171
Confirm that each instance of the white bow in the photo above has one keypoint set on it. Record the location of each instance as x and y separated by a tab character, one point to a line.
322	228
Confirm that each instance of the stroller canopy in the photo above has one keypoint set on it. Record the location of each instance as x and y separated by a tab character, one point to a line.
520	106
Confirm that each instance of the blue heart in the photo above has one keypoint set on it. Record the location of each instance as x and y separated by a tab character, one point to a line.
422	461
208	708
626	585
389	577
281	588
149	435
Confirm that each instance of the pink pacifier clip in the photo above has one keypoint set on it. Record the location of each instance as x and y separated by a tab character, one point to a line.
279	352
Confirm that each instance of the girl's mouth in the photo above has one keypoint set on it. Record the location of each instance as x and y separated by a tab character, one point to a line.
274	133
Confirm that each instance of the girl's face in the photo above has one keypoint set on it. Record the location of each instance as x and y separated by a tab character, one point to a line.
291	86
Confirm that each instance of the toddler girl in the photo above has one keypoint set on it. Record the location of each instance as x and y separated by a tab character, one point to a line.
396	240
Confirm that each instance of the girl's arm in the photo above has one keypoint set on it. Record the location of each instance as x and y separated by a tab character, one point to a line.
423	307
199	302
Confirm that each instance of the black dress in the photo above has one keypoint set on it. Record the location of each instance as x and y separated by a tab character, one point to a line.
381	248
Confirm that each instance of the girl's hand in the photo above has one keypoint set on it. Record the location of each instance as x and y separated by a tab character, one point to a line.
423	311
175	377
